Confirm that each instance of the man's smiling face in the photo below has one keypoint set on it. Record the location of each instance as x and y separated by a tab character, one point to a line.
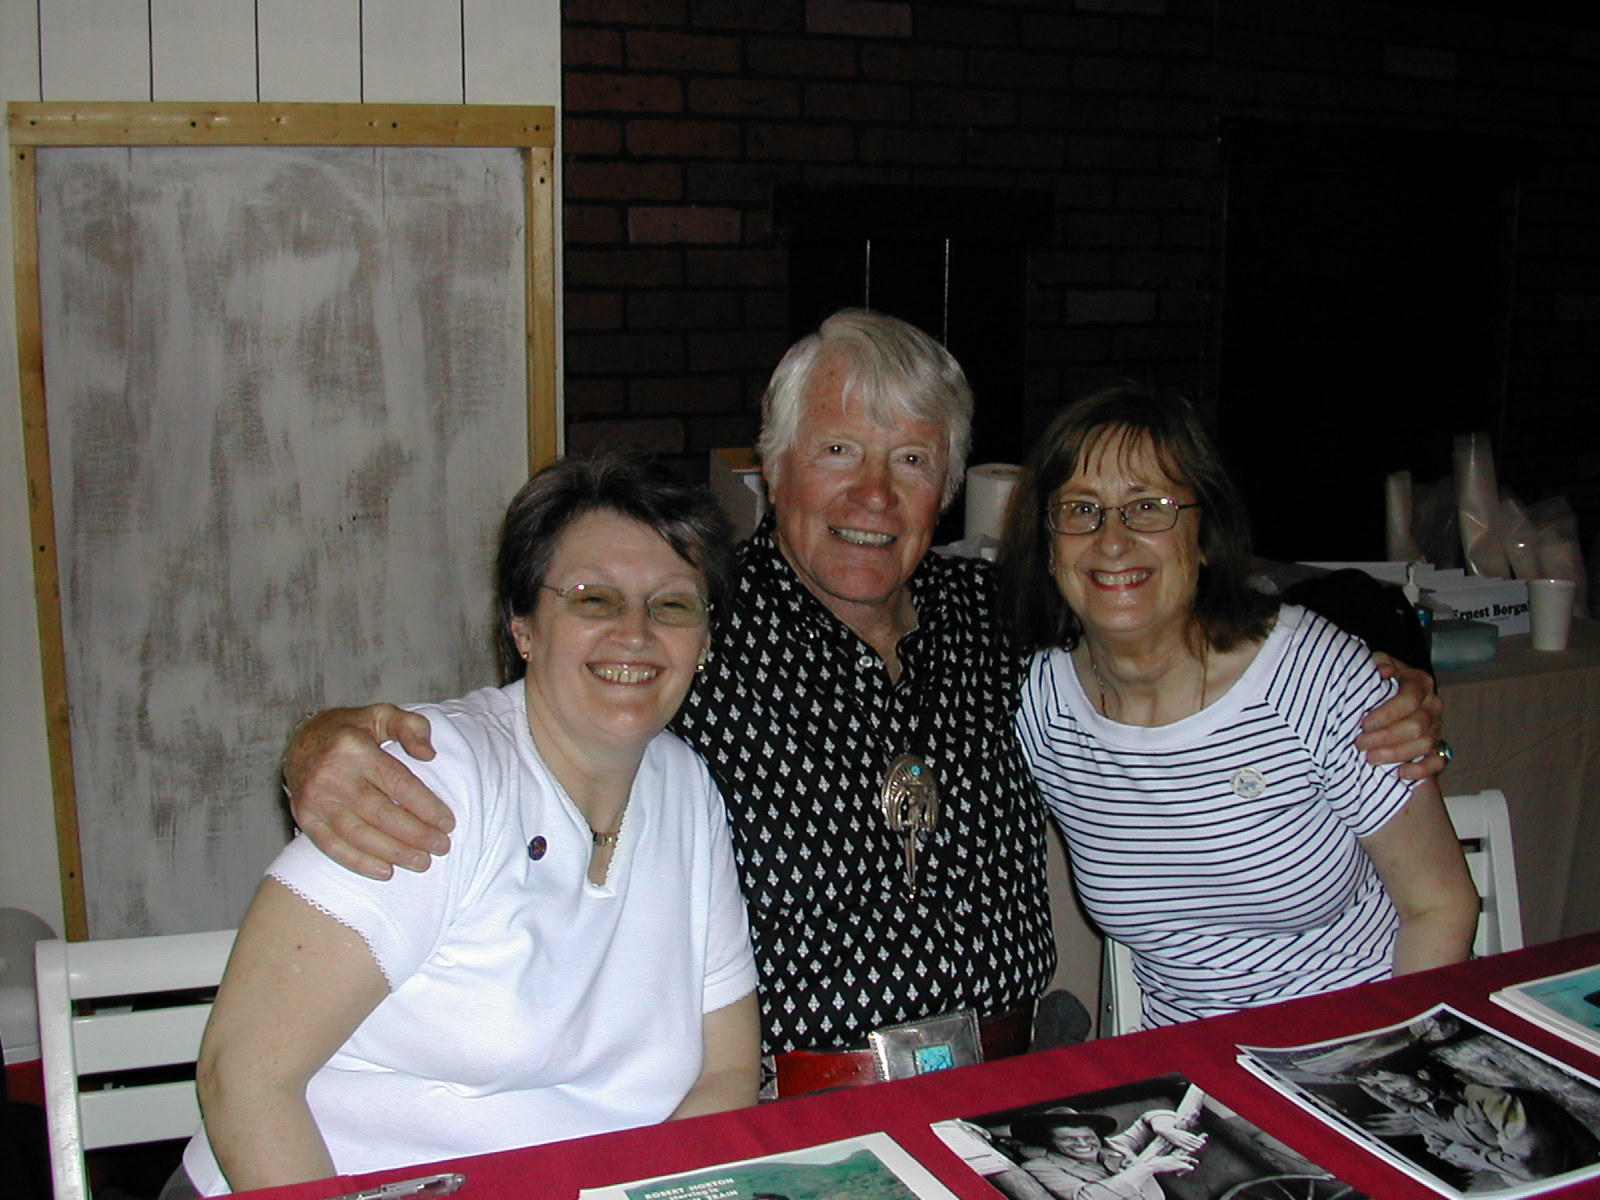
856	502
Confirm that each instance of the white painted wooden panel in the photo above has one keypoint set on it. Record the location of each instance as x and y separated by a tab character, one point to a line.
411	52
513	52
28	876
19	51
287	406
94	49
310	50
203	49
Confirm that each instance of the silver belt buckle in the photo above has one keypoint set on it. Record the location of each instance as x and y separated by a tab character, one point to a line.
932	1044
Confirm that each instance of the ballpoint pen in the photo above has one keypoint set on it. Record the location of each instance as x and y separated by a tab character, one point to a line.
409	1189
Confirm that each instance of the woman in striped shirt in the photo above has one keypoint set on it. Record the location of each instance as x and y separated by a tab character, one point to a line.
1194	740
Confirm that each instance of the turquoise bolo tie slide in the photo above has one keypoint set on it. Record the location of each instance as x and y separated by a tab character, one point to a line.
910	799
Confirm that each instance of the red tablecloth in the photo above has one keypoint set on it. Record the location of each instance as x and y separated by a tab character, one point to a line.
1203	1051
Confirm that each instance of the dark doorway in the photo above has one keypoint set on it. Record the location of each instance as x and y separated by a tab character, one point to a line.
1365	303
952	261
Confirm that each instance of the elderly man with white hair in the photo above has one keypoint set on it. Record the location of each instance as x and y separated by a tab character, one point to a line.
857	715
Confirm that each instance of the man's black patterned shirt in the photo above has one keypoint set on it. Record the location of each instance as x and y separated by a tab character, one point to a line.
798	719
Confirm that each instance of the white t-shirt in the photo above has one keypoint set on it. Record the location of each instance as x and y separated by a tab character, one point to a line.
527	1004
1223	848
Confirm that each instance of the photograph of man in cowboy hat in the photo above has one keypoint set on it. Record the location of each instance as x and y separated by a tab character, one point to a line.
1082	1156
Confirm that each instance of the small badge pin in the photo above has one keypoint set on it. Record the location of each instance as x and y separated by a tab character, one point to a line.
1248	783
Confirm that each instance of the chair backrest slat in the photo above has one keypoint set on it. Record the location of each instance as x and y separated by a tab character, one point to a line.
128	1116
137	966
126	1041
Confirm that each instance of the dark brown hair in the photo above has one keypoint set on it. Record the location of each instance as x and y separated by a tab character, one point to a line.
628	482
1227	610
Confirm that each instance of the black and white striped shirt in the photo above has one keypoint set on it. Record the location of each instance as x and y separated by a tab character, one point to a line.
1223	848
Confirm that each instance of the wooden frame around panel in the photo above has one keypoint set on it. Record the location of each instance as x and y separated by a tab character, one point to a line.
530	128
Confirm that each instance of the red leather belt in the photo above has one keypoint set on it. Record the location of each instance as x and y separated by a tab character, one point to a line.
802	1071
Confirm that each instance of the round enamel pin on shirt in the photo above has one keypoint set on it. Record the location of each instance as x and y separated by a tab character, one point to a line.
536	848
1248	783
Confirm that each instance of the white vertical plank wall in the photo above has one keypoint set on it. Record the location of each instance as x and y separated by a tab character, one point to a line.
393	71
202	49
510	44
310	50
28	873
19	49
94	49
430	51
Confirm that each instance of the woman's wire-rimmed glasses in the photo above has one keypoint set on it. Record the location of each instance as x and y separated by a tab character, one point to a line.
602	602
1148	514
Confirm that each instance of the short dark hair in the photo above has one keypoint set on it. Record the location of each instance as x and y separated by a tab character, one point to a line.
1227	610
625	481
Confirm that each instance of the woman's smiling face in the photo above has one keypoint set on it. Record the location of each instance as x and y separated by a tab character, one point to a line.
612	681
1136	588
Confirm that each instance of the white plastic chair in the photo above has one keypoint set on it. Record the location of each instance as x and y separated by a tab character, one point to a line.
120	1038
1121	1002
1482	823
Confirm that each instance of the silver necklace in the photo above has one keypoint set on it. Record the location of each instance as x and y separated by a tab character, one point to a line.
1094	669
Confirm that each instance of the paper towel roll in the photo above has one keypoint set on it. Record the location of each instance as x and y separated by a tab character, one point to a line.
988	489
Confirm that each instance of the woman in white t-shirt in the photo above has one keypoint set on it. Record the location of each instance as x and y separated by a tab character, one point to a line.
581	962
1195	741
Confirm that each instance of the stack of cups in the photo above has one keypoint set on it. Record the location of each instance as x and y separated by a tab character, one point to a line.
1550	612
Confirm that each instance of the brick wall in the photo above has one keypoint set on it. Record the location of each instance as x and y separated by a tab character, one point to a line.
682	115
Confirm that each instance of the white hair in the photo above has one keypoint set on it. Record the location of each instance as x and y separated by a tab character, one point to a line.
892	369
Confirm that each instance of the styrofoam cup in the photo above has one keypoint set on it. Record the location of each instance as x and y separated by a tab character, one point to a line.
1550	612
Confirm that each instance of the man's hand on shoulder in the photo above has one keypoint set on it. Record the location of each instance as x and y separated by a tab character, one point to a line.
361	806
1405	728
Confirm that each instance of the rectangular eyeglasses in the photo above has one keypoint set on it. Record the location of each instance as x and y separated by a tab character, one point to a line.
601	602
1148	514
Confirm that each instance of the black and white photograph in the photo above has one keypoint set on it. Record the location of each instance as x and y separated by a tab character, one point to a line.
1453	1102
1159	1139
